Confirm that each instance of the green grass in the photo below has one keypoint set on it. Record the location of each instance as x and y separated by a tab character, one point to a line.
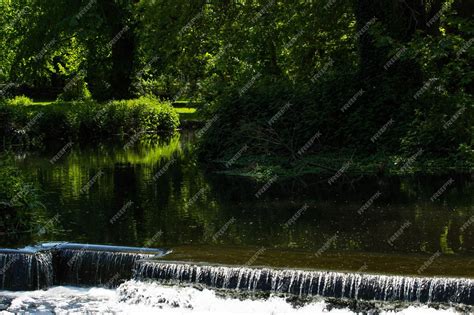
187	113
42	103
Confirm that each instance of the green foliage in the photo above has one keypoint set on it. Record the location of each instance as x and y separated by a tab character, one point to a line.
438	118
443	113
75	90
87	121
20	101
243	60
151	115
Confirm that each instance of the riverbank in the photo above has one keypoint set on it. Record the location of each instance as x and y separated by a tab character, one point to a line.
338	164
34	124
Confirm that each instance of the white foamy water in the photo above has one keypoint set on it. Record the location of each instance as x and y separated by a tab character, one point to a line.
134	297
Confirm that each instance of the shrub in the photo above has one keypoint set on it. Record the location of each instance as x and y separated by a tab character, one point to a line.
87	121
75	90
20	101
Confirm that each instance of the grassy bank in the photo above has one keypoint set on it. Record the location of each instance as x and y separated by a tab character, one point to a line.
30	123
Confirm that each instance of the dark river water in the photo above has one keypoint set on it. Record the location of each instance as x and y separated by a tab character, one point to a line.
160	196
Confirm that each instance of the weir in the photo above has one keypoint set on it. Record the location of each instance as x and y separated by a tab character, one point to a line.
44	265
311	283
51	264
25	270
90	267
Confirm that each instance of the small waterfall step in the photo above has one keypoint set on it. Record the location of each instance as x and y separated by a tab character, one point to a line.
25	269
311	283
91	264
63	263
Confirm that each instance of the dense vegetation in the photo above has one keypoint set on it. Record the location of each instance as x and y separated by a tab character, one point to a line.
23	122
284	80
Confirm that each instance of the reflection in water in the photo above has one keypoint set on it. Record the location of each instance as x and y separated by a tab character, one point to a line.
158	195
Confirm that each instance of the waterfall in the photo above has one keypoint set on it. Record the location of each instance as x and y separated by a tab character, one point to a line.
63	263
311	283
24	270
92	267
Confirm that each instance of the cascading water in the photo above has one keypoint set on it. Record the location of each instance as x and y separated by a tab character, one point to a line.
50	264
90	267
312	283
22	270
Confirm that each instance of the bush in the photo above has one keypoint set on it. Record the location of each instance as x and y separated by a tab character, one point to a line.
261	118
151	115
86	121
75	90
20	101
